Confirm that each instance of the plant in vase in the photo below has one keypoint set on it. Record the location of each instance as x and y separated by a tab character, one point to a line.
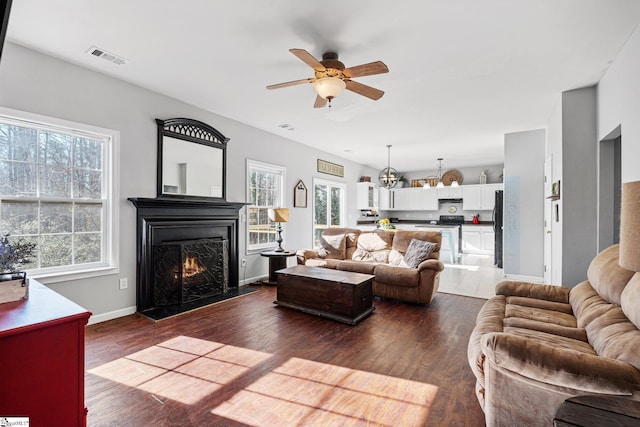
13	255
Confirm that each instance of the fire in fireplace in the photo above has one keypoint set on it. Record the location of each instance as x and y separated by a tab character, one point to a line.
189	270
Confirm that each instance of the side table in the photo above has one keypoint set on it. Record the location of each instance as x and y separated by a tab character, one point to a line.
277	261
598	411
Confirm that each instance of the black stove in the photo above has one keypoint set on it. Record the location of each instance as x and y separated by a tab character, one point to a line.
451	220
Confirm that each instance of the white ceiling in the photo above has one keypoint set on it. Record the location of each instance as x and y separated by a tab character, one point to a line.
462	73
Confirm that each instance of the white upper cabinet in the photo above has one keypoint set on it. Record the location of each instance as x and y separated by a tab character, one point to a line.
409	199
448	192
367	196
479	197
489	196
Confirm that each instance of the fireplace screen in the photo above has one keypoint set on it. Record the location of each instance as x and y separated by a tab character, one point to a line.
189	270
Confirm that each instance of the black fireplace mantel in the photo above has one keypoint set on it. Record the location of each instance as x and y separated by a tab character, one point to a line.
161	218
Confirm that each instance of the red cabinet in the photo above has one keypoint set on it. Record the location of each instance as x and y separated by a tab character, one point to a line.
42	359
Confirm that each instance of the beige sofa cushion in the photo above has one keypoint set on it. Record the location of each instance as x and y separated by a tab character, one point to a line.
373	246
606	276
630	300
333	246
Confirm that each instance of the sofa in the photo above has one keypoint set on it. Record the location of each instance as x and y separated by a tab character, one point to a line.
382	253
533	346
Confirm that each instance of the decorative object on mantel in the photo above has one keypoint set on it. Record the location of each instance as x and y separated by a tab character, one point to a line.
330	168
13	255
279	215
555	191
300	195
188	147
388	176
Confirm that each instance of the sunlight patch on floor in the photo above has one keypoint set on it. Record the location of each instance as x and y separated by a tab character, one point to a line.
189	370
307	392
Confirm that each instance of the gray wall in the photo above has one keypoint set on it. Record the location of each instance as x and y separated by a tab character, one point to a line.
579	199
524	203
37	83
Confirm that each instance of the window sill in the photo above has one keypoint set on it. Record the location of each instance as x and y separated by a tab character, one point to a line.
73	275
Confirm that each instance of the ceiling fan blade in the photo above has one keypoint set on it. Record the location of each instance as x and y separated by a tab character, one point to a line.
320	102
293	83
308	59
364	90
369	69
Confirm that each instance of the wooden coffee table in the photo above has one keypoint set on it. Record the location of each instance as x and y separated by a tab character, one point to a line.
339	295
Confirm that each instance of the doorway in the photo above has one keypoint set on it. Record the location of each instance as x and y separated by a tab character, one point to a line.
609	189
329	205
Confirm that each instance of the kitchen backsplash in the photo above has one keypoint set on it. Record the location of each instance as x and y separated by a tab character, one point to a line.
446	208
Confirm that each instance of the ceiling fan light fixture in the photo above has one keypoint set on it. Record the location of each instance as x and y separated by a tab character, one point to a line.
329	87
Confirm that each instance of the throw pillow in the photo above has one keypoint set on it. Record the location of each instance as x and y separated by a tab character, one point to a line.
418	251
333	246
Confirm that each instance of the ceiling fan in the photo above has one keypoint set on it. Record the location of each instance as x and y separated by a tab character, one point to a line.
332	77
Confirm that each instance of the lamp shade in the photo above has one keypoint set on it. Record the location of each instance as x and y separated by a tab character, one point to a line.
329	87
630	226
279	215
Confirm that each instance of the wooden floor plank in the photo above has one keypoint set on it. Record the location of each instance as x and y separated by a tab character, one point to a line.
420	349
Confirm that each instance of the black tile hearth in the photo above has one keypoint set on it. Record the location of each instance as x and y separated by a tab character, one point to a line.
160	313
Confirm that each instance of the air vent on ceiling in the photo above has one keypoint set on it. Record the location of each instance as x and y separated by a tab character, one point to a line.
101	53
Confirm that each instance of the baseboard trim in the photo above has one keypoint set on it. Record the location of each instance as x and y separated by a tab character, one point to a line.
521	278
251	280
99	318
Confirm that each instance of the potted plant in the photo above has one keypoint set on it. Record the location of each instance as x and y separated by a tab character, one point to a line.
13	255
402	181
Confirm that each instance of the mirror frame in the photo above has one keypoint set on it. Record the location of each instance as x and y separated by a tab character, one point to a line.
192	131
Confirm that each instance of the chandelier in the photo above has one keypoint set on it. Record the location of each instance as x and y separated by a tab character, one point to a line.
388	176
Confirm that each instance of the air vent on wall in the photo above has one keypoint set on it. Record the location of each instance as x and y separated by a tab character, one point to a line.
101	53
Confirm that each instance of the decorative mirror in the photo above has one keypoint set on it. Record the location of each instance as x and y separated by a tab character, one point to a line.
192	160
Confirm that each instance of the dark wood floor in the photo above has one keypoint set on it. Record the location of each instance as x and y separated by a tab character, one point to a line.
424	344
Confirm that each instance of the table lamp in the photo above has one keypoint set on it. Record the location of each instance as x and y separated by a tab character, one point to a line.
630	226
279	215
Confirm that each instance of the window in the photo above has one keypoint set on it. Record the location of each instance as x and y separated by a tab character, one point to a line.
328	207
57	190
264	190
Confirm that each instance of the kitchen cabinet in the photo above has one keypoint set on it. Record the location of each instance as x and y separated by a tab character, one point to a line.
479	197
367	196
477	239
449	192
489	196
409	199
384	199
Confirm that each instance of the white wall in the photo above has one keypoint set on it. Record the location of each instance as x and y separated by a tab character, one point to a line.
33	82
523	203
619	104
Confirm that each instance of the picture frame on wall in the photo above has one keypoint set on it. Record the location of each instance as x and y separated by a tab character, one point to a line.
300	195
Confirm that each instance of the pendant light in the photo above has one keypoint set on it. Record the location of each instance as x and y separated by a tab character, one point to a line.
440	183
388	176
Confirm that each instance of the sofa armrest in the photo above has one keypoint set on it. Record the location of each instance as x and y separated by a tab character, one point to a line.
559	366
533	290
302	255
431	264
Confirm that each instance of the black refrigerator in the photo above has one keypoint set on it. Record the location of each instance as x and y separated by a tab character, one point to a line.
498	220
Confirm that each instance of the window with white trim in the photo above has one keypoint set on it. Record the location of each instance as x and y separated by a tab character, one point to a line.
265	183
57	190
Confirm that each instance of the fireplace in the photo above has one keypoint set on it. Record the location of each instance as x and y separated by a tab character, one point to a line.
185	271
187	254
